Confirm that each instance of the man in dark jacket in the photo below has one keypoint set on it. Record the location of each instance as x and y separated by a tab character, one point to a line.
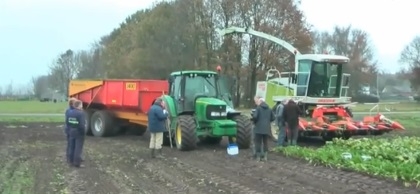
280	123
262	117
66	128
76	123
291	116
157	116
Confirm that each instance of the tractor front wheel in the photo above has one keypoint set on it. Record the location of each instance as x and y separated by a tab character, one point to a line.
244	131
185	133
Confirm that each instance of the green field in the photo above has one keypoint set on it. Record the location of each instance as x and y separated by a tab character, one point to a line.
32	107
31	119
387	106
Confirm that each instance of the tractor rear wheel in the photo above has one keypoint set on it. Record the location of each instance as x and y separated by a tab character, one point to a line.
185	136
244	131
102	124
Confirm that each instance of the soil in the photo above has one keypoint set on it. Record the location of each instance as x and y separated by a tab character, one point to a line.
32	161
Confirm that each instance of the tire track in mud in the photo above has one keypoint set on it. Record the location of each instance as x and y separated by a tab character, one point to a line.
189	175
92	179
118	167
288	175
170	179
187	178
250	173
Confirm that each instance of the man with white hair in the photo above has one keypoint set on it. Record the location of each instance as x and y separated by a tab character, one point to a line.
262	118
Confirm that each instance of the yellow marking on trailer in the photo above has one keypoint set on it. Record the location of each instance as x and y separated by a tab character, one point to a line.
130	86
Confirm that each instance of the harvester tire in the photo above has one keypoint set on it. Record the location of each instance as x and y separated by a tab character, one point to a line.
185	133
244	131
102	124
88	117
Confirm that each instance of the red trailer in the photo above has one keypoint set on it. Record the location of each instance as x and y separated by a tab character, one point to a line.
113	105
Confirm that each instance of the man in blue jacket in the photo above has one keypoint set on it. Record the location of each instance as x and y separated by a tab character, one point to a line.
66	128
157	116
76	123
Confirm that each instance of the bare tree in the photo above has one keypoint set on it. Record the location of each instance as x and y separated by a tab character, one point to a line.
63	69
9	90
40	85
410	58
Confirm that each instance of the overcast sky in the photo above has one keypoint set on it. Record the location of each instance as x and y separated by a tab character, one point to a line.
33	32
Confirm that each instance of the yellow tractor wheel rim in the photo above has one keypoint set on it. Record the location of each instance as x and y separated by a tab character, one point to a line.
178	134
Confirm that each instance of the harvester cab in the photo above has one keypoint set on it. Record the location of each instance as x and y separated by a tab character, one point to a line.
201	110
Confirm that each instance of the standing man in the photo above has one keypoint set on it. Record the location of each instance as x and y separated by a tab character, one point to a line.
262	117
281	123
291	116
76	121
157	116
66	128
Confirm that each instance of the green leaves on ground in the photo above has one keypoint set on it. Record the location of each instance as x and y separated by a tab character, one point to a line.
397	158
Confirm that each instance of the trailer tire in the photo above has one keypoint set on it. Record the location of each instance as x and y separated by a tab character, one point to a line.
88	117
244	131
102	124
185	133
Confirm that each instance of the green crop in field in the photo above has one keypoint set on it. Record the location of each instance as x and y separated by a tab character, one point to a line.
397	158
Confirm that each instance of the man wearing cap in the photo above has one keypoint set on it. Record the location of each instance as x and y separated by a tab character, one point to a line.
262	118
157	116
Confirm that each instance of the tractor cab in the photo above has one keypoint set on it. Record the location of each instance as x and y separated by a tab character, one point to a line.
188	86
321	76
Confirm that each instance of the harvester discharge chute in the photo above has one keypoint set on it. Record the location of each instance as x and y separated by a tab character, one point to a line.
320	86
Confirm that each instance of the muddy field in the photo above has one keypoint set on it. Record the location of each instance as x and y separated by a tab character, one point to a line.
32	161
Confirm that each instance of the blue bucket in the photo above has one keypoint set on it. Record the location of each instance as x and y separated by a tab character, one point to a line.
232	150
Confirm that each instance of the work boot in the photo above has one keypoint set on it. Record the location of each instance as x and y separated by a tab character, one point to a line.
159	155
294	143
264	157
152	153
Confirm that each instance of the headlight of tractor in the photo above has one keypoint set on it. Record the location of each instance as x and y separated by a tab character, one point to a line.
223	114
215	114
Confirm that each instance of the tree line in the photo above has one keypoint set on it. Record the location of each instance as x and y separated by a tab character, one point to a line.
181	34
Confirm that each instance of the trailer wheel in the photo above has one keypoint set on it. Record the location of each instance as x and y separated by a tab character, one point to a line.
88	117
102	124
185	136
244	131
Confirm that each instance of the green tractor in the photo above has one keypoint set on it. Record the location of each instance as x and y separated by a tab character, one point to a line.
200	110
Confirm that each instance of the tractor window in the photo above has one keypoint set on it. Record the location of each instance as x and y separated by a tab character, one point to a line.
304	66
175	87
200	84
